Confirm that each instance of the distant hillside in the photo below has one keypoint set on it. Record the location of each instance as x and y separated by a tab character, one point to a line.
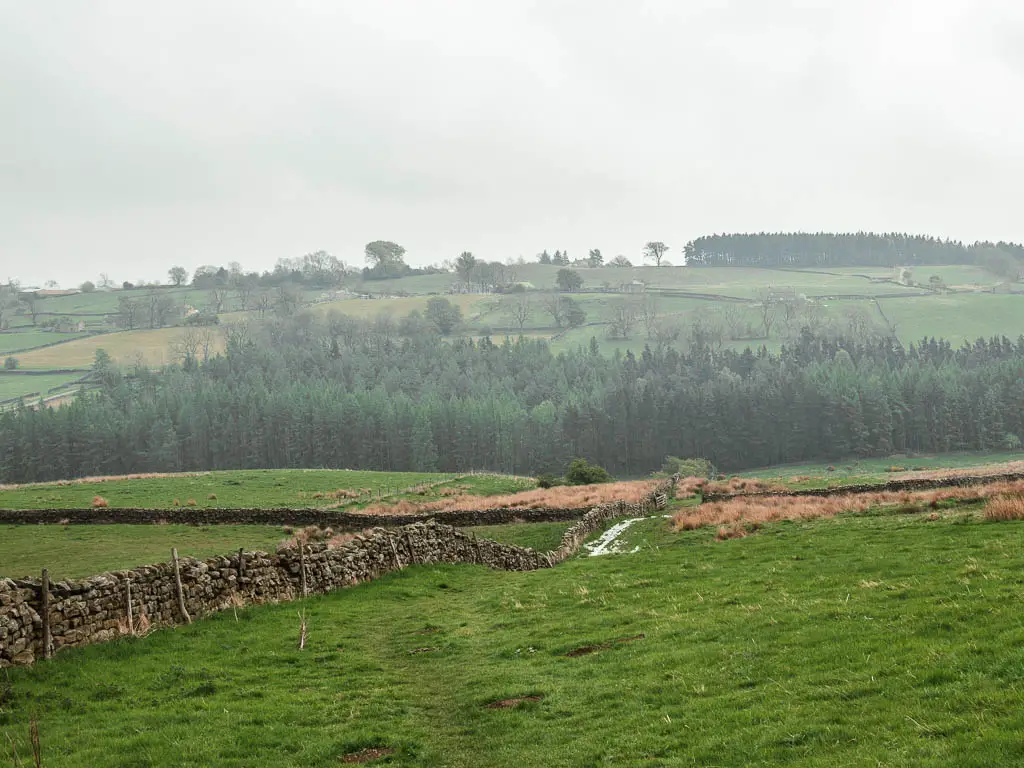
825	249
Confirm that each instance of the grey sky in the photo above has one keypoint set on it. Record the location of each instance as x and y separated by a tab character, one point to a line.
135	135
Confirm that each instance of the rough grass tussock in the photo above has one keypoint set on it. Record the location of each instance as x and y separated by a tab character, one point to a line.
559	497
1001	508
767	509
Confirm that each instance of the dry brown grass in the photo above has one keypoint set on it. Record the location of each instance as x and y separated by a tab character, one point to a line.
1001	508
99	479
743	485
314	533
560	497
98	502
767	509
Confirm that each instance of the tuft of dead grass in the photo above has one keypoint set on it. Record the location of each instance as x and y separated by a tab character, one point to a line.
99	479
1003	508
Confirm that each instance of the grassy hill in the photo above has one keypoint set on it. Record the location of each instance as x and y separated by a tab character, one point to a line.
965	308
880	639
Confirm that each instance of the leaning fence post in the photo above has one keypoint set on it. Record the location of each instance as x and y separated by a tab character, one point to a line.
412	552
302	568
45	595
131	617
177	586
394	551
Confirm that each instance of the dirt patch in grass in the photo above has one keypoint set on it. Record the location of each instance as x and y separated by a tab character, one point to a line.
514	702
584	650
367	755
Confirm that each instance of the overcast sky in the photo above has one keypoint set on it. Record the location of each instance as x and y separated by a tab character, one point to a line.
136	135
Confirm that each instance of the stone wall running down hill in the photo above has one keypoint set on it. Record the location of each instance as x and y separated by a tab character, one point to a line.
916	484
96	609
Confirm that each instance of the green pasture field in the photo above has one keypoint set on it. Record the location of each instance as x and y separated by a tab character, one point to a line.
957	317
77	551
27	338
817	474
870	640
542	537
17	385
249	488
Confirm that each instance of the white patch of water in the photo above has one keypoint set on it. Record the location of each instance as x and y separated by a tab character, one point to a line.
606	543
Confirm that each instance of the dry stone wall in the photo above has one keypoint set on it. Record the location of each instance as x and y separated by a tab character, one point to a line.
96	609
325	518
922	484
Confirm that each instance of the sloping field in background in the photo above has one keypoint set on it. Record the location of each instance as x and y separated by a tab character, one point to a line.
956	317
19	385
26	338
250	488
397	307
153	347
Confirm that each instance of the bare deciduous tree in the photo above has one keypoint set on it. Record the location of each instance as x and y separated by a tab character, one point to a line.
519	308
767	306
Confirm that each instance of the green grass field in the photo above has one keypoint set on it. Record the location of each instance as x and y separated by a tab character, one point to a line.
18	385
957	317
77	551
875	640
28	338
255	488
877	468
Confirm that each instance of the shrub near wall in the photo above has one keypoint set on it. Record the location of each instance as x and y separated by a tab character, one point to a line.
95	610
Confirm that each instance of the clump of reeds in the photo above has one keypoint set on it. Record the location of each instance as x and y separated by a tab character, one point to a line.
1003	508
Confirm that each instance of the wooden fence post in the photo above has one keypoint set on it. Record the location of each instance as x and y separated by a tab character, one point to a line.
412	552
131	616
241	562
177	586
302	568
394	551
45	608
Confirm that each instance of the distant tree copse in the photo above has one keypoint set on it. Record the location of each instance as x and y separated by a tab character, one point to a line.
655	250
178	275
443	314
87	287
620	261
568	280
595	259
